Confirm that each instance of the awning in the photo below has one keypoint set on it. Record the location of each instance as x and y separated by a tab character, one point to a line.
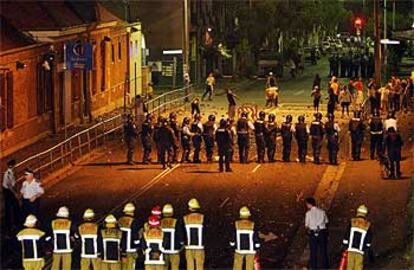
403	35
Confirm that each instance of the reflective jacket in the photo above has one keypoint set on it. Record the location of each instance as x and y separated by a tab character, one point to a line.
90	240
173	235
62	233
130	238
32	241
358	237
111	244
194	228
246	240
153	246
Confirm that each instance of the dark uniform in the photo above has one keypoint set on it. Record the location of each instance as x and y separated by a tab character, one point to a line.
165	141
270	137
146	136
153	246
173	241
186	140
197	129
376	135
332	136
243	138
286	130
208	135
155	136
129	241
224	142
317	132
392	145
131	134
259	132
356	127
302	135
176	129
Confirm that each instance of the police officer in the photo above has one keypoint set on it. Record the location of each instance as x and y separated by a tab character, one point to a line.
270	137
376	134
357	239
332	135
245	241
131	134
130	240
259	132
146	135
197	130
90	242
356	128
286	130
186	135
153	245
224	144
176	129
111	245
209	128
165	141
32	241
302	134
317	132
173	238
194	231
63	236
243	137
157	127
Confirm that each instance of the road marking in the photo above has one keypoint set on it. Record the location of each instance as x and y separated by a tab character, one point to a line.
256	168
224	202
298	92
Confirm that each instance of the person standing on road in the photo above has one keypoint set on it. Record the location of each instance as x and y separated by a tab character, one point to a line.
245	241
357	239
301	131
153	245
270	137
391	121
316	81
174	126
231	99
210	83
316	222
356	128
332	135
392	146
31	192
317	132
173	238
271	80
376	135
130	240
146	136
316	94
165	142
194	243
345	99
11	198
195	106
209	129
224	144
140	110
186	135
243	137
385	93
232	129
197	130
259	132
286	131
111	245
131	134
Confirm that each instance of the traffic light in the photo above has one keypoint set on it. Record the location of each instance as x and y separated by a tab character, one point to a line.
358	23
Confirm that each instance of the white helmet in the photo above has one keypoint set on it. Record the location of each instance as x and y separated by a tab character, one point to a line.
30	221
63	212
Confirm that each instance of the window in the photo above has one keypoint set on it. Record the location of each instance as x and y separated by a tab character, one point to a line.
119	51
137	48
44	89
112	53
103	65
6	100
94	48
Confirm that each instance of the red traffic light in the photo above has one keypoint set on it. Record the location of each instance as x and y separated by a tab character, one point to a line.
358	22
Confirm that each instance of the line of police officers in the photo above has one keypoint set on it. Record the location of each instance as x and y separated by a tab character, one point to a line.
118	243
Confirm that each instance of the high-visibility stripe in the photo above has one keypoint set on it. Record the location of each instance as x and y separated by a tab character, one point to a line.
249	233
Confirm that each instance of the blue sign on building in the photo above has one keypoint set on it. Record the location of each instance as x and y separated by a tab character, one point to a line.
78	55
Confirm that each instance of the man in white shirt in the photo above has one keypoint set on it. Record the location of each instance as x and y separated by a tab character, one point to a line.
31	192
390	122
315	222
10	195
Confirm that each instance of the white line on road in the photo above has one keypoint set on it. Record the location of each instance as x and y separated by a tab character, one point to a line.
298	92
256	168
224	202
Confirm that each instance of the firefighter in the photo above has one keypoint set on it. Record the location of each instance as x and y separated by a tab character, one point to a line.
356	128
259	132
63	236
153	246
173	238
245	241
332	135
155	211
302	135
176	129
243	137
376	135
317	132
111	244
146	135
90	242
131	134
209	128
197	130
270	137
32	241
165	141
186	135
130	239
224	144
194	243
357	239
286	130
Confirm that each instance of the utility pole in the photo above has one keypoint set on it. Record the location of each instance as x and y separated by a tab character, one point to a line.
385	33
186	39
393	15
377	32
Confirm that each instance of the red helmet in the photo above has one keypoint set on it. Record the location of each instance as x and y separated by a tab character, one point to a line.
156	211
154	221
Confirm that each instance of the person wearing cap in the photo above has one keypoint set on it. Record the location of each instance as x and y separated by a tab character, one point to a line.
194	232
173	238
63	236
111	244
31	192
357	239
155	211
153	245
245	241
130	238
88	233
32	241
10	195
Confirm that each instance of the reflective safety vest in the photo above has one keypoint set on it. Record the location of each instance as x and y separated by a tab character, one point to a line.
89	236
168	228
154	252
129	240
30	238
194	230
111	238
357	236
61	235
245	243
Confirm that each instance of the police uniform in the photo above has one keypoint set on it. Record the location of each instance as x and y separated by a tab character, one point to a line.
356	127
197	129
286	131
173	240
332	135
165	141
111	242
152	244
376	136
224	144
88	233
146	135
270	138
301	135
209	129
129	241
194	244
62	244
176	131
186	142
243	138
316	132
130	132
259	132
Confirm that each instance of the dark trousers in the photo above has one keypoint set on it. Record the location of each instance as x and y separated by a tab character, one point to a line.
185	144
163	152
146	145
395	168
244	144
271	149
11	209
209	144
208	91
356	141
318	242
333	147
130	149
287	147
376	145
316	147
224	159
30	208
374	103
260	145
197	147
397	103
302	150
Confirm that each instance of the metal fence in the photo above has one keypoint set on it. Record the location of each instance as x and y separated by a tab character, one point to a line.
82	143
